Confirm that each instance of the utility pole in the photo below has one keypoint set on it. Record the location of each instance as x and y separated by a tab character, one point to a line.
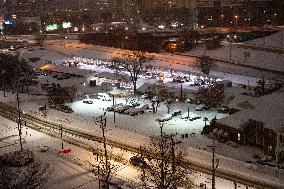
162	156
173	153
143	170
3	83
230	49
19	122
214	167
61	133
102	122
181	92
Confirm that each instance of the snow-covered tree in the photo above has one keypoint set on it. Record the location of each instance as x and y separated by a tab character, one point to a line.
60	96
213	95
205	63
106	167
15	73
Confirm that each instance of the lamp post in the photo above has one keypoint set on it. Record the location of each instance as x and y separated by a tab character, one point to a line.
19	121
222	17
102	120
3	82
230	46
236	22
274	19
215	164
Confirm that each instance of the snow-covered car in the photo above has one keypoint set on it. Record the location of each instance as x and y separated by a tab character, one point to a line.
201	107
88	102
145	96
165	117
130	110
121	109
104	97
111	108
176	112
156	98
223	109
142	108
194	118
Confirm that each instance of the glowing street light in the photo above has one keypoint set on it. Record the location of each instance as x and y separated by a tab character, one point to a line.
236	18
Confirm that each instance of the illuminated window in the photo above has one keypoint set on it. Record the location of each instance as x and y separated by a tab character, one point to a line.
239	136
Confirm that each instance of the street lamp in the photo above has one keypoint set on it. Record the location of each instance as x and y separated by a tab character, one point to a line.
236	18
274	19
3	82
222	17
230	46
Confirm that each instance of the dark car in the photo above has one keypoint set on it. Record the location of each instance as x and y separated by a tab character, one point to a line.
176	112
138	162
88	102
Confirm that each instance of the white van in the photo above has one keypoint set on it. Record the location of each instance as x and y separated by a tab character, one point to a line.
104	97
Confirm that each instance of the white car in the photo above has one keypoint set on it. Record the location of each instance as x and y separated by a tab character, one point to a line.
201	107
111	108
104	97
143	108
130	110
121	109
165	117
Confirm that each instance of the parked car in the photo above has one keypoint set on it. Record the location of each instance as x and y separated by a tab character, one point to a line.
88	102
165	117
104	97
201	107
223	109
131	111
176	112
121	109
111	108
142	108
138	162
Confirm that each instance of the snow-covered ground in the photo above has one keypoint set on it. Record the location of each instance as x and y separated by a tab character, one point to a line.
274	41
136	130
73	170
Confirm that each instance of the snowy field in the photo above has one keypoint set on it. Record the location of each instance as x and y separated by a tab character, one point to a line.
273	41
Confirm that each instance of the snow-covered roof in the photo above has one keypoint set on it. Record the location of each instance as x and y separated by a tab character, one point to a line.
242	102
63	69
113	76
268	109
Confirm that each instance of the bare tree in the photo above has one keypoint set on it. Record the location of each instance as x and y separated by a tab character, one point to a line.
205	63
133	64
105	167
165	169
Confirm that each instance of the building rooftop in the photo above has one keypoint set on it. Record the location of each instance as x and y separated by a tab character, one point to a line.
268	109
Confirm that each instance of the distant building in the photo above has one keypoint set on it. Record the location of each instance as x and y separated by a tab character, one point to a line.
240	13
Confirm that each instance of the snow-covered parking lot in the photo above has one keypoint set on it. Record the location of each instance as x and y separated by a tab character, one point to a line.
146	123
